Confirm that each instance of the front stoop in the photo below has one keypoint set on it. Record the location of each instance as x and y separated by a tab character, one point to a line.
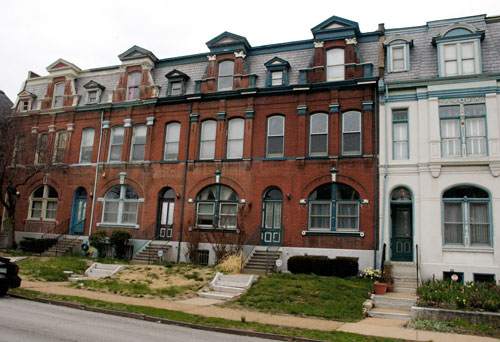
63	246
98	271
228	286
393	306
261	262
149	255
404	276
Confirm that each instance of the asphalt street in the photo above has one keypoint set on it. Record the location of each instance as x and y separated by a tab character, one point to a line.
24	320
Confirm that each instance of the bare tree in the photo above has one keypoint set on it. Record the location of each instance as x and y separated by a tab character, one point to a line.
18	150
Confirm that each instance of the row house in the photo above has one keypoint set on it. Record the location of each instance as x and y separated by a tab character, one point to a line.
276	142
439	148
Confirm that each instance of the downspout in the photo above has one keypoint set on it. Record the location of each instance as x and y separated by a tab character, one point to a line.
184	185
96	178
375	242
386	151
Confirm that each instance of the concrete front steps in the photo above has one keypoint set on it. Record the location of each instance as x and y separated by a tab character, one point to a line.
393	306
98	271
261	262
149	255
404	275
228	286
63	246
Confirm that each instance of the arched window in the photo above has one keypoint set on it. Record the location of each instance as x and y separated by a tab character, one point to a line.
318	135
43	203
121	203
138	143
225	80
466	217
59	95
207	139
401	195
272	208
351	133
172	134
235	132
334	207
217	207
133	82
87	145
275	136
116	144
335	65
402	225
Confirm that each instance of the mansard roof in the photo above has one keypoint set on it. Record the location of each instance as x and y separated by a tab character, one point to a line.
227	42
136	52
335	28
5	103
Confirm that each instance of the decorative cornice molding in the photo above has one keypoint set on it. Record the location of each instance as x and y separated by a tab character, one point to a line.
351	41
318	45
211	58
240	54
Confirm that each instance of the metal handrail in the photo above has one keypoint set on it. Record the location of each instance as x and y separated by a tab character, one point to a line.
75	236
276	248
382	265
252	241
51	231
148	241
416	251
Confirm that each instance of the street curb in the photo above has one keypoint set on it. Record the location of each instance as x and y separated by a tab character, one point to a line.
148	318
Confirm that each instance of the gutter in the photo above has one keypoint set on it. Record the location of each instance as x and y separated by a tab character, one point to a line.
384	190
96	178
376	204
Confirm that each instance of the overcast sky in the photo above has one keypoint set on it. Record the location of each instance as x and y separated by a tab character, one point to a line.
92	33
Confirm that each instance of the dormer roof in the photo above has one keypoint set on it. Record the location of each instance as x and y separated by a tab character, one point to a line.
276	62
136	52
176	74
25	94
335	28
227	42
62	64
93	85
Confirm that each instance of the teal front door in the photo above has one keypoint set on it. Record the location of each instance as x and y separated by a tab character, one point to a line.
271	234
78	212
402	233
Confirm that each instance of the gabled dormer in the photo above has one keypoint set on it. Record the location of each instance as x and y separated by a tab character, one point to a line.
61	91
25	101
176	83
136	80
228	42
335	28
277	72
459	50
94	92
398	53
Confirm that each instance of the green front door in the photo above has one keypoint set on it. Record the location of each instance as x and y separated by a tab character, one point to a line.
402	233
271	225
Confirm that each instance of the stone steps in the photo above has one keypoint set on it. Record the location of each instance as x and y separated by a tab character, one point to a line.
98	270
226	287
402	315
62	247
149	255
393	302
261	262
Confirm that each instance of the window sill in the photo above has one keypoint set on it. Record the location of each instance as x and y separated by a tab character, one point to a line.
335	233
488	250
211	229
117	225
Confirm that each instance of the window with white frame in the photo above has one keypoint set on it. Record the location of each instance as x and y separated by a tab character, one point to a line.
207	139
398	57
351	133
466	217
235	133
318	134
463	129
460	58
217	207
59	95
133	82
335	65
116	144
60	147
400	146
121	204
172	141
275	136
87	145
43	203
334	207
175	88
225	77
42	148
138	143
92	97
25	105
277	78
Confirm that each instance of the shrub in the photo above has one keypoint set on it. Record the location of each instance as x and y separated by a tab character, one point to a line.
340	267
231	264
36	245
119	240
98	240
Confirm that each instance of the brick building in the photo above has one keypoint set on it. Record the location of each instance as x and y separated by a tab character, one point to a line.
275	141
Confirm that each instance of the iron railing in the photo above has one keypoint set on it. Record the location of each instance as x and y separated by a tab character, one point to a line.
144	245
382	265
58	230
249	245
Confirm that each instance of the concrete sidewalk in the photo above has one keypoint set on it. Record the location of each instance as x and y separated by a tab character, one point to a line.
208	308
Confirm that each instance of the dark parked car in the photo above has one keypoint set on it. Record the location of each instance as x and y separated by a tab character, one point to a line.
8	276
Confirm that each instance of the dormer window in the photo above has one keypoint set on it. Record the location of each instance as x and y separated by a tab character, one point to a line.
94	91
58	95
176	88
92	97
277	78
398	53
134	80
277	72
459	49
25	105
176	83
225	79
335	65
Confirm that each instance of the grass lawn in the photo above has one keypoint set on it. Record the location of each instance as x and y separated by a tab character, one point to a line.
214	322
51	269
308	295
